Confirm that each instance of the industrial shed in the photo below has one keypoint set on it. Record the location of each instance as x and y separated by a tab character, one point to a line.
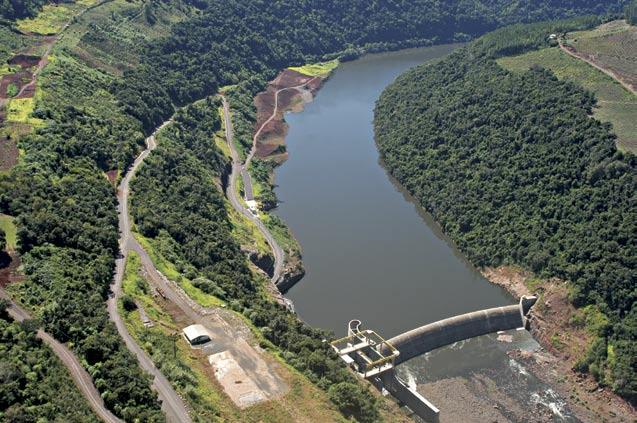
196	334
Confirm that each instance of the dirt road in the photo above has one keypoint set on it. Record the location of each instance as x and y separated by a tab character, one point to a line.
231	193
566	50
80	377
274	114
172	404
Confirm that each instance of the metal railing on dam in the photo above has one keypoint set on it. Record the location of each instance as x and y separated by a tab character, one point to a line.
374	358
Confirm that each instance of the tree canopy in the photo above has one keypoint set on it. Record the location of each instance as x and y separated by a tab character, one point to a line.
517	172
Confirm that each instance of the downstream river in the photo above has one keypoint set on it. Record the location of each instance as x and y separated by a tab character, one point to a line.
370	253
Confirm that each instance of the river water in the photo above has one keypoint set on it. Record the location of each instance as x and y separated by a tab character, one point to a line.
370	253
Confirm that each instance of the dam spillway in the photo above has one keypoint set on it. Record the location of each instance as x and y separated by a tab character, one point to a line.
375	358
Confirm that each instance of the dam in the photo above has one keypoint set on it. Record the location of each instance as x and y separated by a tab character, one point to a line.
375	358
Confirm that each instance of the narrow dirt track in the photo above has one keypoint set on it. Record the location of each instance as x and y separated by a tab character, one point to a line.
274	113
80	377
599	68
172	404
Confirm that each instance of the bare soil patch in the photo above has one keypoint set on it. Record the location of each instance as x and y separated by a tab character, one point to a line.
9	264
25	61
8	152
272	136
19	79
112	176
553	325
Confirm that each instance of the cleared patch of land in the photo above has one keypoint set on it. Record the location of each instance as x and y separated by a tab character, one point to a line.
7	225
612	46
52	18
316	69
192	375
615	104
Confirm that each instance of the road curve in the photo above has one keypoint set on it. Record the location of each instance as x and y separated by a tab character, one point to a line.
231	193
242	169
80	376
172	404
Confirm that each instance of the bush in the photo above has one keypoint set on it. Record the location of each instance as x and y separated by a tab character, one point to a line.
128	303
354	401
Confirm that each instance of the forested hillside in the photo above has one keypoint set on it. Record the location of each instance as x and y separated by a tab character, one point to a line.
34	384
233	40
116	76
18	9
516	172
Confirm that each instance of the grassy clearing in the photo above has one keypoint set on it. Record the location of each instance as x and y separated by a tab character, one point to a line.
316	69
9	228
19	110
246	232
281	232
49	21
170	271
7	69
615	104
220	136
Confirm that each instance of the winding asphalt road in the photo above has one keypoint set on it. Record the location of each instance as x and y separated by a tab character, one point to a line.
80	377
172	404
233	197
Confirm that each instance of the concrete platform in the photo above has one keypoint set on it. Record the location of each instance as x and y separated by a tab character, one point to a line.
235	382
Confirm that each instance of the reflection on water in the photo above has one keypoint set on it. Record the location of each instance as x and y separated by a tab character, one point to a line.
369	251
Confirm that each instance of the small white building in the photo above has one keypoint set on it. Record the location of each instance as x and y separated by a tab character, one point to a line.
253	207
196	334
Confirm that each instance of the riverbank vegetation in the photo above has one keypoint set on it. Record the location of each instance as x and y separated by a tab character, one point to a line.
34	385
517	173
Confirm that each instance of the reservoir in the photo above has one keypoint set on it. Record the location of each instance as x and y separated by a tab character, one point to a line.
370	253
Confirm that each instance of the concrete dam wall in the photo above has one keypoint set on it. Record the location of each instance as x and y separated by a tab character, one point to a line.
444	332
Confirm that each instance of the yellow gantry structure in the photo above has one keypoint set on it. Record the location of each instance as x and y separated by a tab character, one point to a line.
365	351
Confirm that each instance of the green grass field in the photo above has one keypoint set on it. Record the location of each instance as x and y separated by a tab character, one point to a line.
49	21
7	225
316	69
170	271
19	110
615	104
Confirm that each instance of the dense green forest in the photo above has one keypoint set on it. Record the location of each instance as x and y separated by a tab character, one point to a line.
65	210
232	41
516	172
20	9
94	121
34	386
